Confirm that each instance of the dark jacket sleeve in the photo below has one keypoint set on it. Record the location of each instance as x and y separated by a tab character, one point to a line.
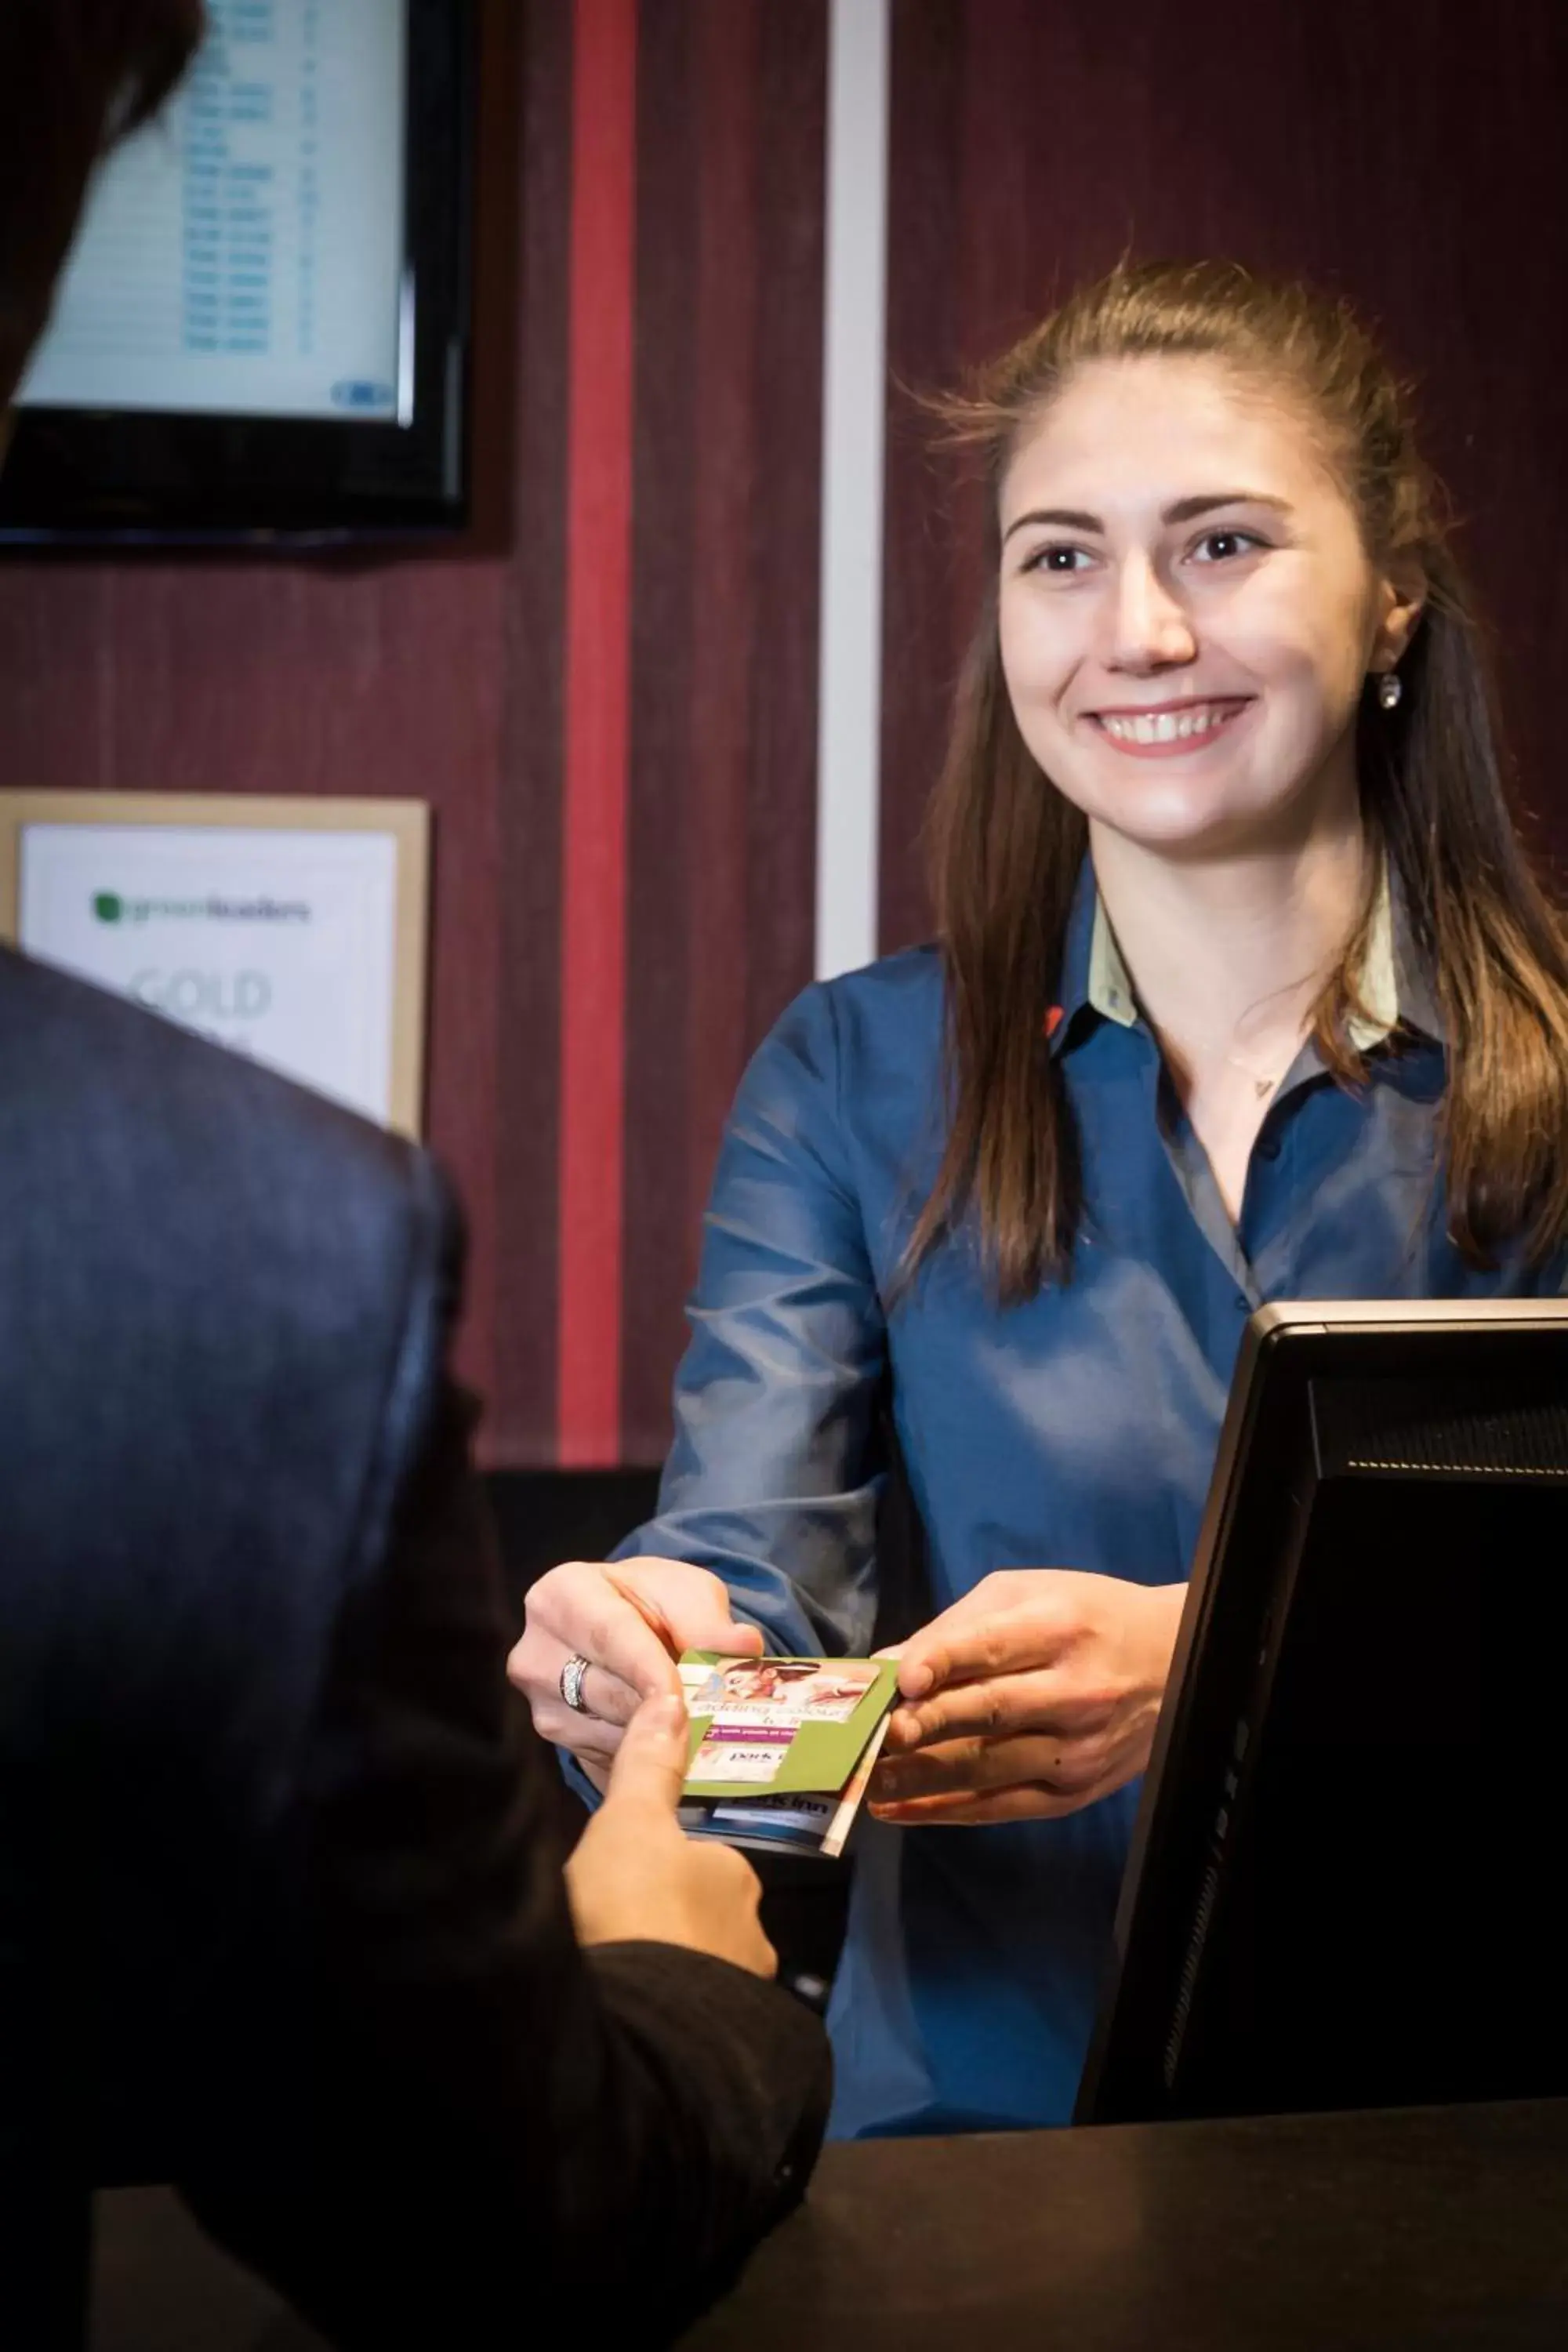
428	2117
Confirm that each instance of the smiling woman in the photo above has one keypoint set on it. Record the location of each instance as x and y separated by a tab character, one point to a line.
1243	992
1224	639
1262	549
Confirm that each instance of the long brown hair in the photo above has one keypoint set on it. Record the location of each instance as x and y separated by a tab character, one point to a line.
1005	846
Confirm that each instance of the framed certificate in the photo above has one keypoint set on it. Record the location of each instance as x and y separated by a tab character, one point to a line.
293	930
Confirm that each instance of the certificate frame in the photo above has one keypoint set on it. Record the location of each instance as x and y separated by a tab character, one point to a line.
407	822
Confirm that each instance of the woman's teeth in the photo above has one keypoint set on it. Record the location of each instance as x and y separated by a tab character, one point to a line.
1166	726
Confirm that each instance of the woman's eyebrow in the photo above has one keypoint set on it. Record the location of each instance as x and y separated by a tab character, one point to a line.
1188	510
1184	510
1062	517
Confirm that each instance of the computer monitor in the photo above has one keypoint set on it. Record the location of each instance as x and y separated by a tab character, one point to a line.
1343	1887
262	331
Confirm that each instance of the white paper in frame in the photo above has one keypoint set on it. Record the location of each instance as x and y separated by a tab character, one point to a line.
291	930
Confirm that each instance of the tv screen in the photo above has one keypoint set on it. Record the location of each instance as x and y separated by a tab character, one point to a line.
262	331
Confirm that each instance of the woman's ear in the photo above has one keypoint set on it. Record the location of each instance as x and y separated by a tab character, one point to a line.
1401	599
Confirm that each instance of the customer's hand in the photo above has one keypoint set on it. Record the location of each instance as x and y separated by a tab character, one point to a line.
1035	1695
631	1619
636	1878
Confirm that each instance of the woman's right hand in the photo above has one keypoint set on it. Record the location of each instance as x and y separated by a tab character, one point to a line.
631	1619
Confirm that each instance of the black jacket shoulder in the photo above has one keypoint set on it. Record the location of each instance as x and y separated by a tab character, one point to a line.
225	1310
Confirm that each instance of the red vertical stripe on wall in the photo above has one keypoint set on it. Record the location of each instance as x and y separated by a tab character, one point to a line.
593	883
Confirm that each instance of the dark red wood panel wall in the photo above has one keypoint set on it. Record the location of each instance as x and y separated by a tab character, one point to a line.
724	603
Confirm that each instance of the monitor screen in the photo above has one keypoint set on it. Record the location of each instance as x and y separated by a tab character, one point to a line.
262	331
244	256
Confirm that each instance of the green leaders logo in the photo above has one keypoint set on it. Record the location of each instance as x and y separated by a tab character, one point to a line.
110	907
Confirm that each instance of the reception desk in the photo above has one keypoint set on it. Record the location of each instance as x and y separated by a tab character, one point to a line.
1387	2232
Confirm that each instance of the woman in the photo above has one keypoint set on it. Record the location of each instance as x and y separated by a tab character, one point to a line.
1243	991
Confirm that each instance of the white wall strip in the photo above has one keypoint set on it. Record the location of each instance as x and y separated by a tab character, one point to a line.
849	659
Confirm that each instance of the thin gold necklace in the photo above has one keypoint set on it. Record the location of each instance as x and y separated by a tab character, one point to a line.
1263	1082
1261	1087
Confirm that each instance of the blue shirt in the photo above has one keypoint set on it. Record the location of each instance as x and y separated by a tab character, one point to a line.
1077	1431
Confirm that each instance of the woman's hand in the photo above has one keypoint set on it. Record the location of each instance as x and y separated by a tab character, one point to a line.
1035	1695
631	1619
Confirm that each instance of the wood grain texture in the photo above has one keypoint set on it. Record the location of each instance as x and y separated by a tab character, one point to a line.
595	694
665	616
731	102
224	677
516	1286
1410	157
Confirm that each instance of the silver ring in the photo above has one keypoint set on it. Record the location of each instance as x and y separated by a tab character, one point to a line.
571	1675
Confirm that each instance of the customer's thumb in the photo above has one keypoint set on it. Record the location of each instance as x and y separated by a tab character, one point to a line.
650	1762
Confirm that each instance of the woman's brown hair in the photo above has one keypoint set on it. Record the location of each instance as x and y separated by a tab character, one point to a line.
1005	846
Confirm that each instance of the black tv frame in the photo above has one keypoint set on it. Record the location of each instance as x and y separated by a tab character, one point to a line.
93	478
1342	1887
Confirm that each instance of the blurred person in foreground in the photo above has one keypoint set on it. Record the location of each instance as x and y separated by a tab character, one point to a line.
281	1912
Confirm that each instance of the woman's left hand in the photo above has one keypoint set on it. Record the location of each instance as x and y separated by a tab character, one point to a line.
1035	1695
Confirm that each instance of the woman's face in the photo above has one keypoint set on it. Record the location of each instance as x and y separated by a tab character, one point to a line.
1187	612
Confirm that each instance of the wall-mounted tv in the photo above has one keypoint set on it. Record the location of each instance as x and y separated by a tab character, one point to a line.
263	332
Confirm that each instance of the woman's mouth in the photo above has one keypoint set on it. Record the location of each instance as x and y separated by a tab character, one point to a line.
1164	730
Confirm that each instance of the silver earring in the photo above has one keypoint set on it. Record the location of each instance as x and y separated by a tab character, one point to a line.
1390	687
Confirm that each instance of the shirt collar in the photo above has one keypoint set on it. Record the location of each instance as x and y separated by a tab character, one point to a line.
1392	985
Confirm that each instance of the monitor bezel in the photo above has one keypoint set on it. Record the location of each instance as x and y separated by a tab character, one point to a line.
87	479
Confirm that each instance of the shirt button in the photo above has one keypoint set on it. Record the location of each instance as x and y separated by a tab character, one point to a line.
1243	1301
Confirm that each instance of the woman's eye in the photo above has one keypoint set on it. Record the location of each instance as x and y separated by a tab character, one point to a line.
1219	546
1058	557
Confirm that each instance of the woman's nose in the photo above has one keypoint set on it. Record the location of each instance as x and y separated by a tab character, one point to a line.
1149	624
